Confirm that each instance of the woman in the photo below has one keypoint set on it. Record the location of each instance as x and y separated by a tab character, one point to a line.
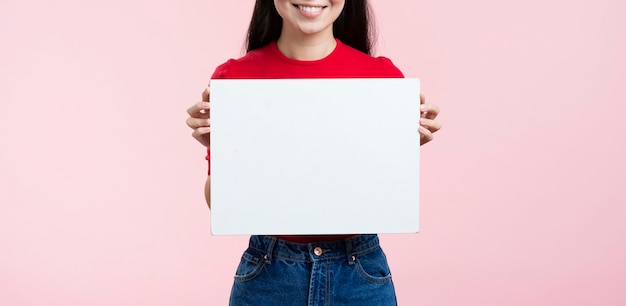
310	39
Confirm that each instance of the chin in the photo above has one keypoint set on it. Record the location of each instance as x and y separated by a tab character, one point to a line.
312	30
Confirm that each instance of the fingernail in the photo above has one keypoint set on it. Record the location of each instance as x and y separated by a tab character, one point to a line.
423	107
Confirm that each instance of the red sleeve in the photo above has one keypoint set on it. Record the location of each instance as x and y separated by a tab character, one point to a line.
208	159
222	71
389	69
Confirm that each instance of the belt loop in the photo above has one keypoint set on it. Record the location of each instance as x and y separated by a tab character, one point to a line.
270	249
349	254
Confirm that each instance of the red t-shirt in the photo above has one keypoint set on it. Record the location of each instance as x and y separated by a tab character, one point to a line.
270	63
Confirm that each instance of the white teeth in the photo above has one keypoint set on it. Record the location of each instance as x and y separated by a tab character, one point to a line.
310	9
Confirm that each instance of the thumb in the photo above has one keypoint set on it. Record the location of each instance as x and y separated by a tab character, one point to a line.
205	95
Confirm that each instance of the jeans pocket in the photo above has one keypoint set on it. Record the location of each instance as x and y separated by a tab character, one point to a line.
372	266
250	266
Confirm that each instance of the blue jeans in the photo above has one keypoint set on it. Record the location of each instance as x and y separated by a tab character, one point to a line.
275	272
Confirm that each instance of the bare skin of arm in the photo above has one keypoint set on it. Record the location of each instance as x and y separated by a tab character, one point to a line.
207	191
199	122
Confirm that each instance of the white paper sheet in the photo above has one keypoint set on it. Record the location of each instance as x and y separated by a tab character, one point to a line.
314	156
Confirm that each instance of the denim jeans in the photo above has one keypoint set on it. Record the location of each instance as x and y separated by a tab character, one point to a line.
275	272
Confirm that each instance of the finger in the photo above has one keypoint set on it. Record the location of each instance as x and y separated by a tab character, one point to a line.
201	132
195	123
431	125
206	94
199	110
425	135
429	111
202	135
422	101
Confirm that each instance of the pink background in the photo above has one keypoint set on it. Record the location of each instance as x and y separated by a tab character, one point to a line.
101	183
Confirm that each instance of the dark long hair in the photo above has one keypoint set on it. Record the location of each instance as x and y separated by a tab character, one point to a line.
354	27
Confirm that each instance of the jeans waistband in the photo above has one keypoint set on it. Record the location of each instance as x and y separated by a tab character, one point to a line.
348	248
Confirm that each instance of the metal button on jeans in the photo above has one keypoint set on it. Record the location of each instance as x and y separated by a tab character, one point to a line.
318	251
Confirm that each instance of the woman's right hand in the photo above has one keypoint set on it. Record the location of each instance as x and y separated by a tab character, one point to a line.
199	119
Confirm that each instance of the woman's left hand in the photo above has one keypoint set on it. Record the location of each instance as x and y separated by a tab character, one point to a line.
428	124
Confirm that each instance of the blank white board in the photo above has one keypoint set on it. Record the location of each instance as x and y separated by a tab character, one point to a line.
314	156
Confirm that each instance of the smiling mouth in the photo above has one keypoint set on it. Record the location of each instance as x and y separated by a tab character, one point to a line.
309	9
